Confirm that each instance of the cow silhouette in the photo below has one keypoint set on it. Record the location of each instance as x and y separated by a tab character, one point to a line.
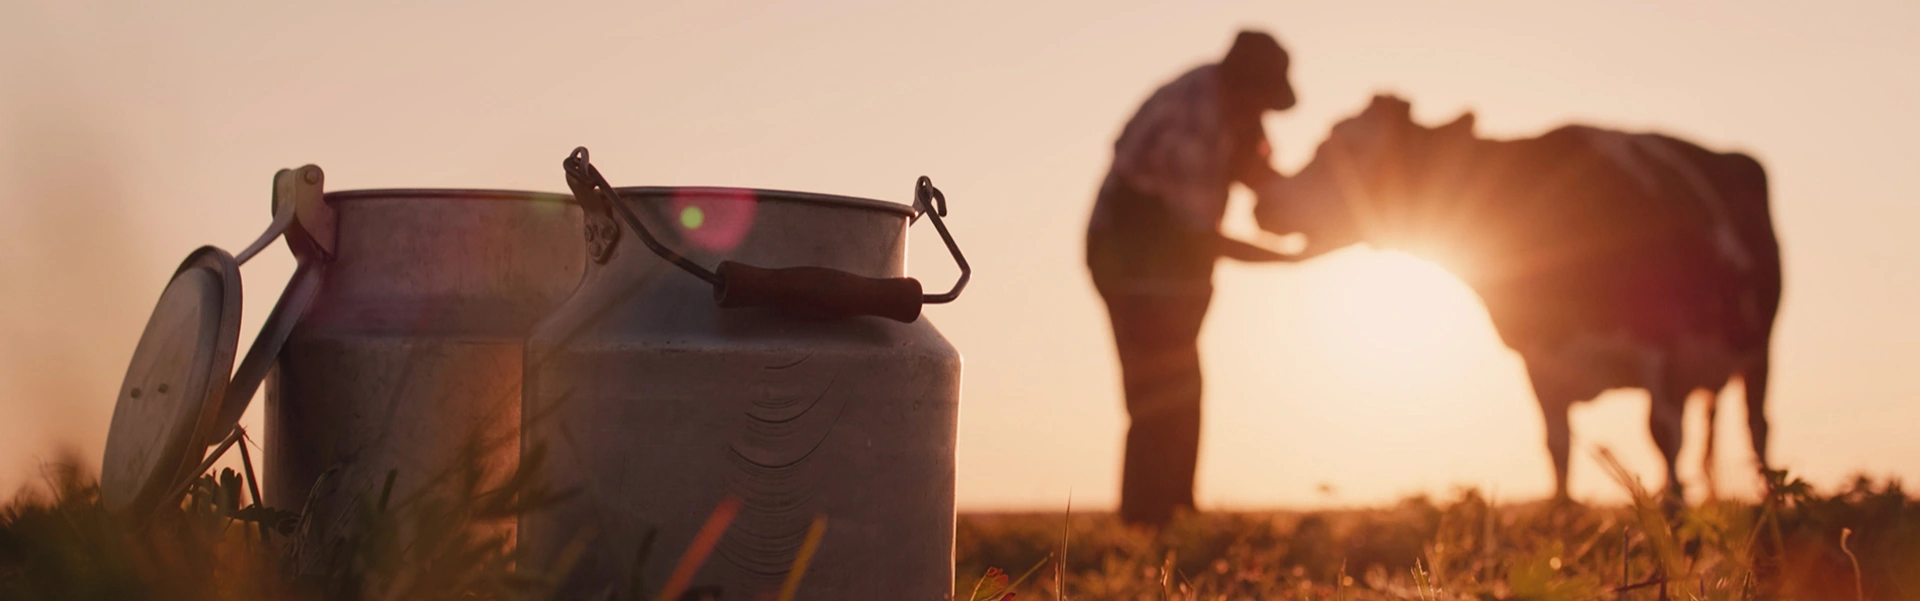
1605	259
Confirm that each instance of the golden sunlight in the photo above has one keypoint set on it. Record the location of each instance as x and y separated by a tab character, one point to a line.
1393	308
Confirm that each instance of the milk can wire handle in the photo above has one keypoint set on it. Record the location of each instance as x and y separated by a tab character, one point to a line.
805	291
597	196
929	201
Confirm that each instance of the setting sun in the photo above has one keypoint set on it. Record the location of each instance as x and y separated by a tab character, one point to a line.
1389	307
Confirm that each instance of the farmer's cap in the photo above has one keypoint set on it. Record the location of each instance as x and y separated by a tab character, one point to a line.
1257	65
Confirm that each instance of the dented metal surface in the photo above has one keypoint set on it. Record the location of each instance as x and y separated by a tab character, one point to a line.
656	404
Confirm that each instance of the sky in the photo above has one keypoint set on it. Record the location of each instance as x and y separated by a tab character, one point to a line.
132	133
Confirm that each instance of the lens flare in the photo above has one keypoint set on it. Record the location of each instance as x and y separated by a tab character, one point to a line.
714	219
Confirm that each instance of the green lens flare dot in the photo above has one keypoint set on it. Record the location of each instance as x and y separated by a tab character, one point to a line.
692	217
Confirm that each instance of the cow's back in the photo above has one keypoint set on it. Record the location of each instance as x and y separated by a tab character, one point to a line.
1589	242
1750	206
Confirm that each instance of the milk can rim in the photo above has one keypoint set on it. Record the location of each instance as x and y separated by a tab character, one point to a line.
782	195
639	191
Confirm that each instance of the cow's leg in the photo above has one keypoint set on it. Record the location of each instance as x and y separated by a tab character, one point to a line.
1706	461
1157	339
1553	408
1664	420
1754	380
1559	441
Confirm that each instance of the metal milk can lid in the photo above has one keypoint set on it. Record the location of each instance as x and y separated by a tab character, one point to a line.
172	389
178	397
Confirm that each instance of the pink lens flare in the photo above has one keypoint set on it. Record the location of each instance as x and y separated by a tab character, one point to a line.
714	220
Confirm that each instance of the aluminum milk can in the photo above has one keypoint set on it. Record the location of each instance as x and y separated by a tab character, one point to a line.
408	361
715	426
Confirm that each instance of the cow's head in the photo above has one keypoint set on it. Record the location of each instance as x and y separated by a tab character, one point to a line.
1368	182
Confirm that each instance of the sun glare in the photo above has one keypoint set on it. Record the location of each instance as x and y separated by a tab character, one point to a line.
1388	308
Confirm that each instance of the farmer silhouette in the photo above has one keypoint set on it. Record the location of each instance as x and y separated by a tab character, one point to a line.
1151	246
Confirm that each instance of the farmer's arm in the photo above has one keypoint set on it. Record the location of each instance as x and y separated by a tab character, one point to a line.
1248	252
1195	193
1286	213
1256	173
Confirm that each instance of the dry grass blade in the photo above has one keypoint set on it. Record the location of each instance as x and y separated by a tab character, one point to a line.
1166	578
1859	586
1653	520
703	544
253	486
815	532
1015	584
1340	583
1060	567
1421	583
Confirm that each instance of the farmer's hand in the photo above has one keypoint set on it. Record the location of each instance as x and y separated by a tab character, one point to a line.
1249	252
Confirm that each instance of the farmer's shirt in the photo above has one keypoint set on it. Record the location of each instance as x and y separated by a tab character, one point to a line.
1157	218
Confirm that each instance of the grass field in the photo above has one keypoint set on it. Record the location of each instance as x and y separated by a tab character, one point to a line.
1859	543
1463	548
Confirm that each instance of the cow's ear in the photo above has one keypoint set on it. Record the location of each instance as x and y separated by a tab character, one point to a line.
1460	128
1391	106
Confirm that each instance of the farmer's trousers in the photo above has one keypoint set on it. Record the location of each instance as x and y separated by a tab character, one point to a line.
1157	281
1157	336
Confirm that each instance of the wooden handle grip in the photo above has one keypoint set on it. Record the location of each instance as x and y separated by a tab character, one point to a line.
817	292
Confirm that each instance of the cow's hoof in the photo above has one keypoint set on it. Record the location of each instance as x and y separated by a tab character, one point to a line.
1671	502
1561	510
